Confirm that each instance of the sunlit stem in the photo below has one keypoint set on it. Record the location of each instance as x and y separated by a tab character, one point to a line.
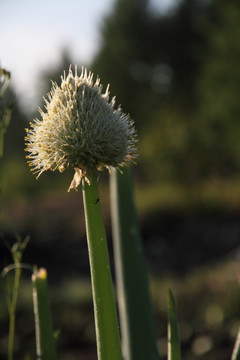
45	342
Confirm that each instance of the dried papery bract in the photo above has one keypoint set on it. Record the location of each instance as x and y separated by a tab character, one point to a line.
81	128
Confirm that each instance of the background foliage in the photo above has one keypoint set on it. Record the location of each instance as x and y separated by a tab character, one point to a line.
177	75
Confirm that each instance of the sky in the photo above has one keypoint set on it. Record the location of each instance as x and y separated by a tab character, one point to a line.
34	33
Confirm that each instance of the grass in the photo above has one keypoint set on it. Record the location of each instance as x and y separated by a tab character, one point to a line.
208	306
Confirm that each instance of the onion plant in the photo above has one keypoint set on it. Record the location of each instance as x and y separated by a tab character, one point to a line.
82	129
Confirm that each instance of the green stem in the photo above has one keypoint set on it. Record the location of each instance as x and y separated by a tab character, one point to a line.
45	342
174	350
135	305
106	323
12	311
236	350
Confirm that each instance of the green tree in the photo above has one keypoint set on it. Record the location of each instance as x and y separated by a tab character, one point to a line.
217	124
152	63
122	59
151	60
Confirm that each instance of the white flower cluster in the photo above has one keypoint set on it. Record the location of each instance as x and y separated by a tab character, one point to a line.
81	129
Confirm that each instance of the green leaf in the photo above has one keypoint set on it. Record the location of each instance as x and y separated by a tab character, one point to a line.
174	351
236	350
134	300
45	342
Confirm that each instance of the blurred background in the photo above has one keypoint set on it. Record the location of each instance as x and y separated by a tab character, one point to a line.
174	66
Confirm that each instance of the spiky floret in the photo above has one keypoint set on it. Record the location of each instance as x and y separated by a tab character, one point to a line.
81	129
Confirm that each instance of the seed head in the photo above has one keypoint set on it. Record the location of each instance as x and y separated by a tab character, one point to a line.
81	129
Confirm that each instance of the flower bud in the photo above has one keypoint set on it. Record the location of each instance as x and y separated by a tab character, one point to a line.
81	129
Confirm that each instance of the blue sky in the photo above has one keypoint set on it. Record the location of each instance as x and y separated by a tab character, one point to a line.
34	32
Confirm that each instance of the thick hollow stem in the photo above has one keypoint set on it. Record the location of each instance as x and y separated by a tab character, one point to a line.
45	342
106	323
135	306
